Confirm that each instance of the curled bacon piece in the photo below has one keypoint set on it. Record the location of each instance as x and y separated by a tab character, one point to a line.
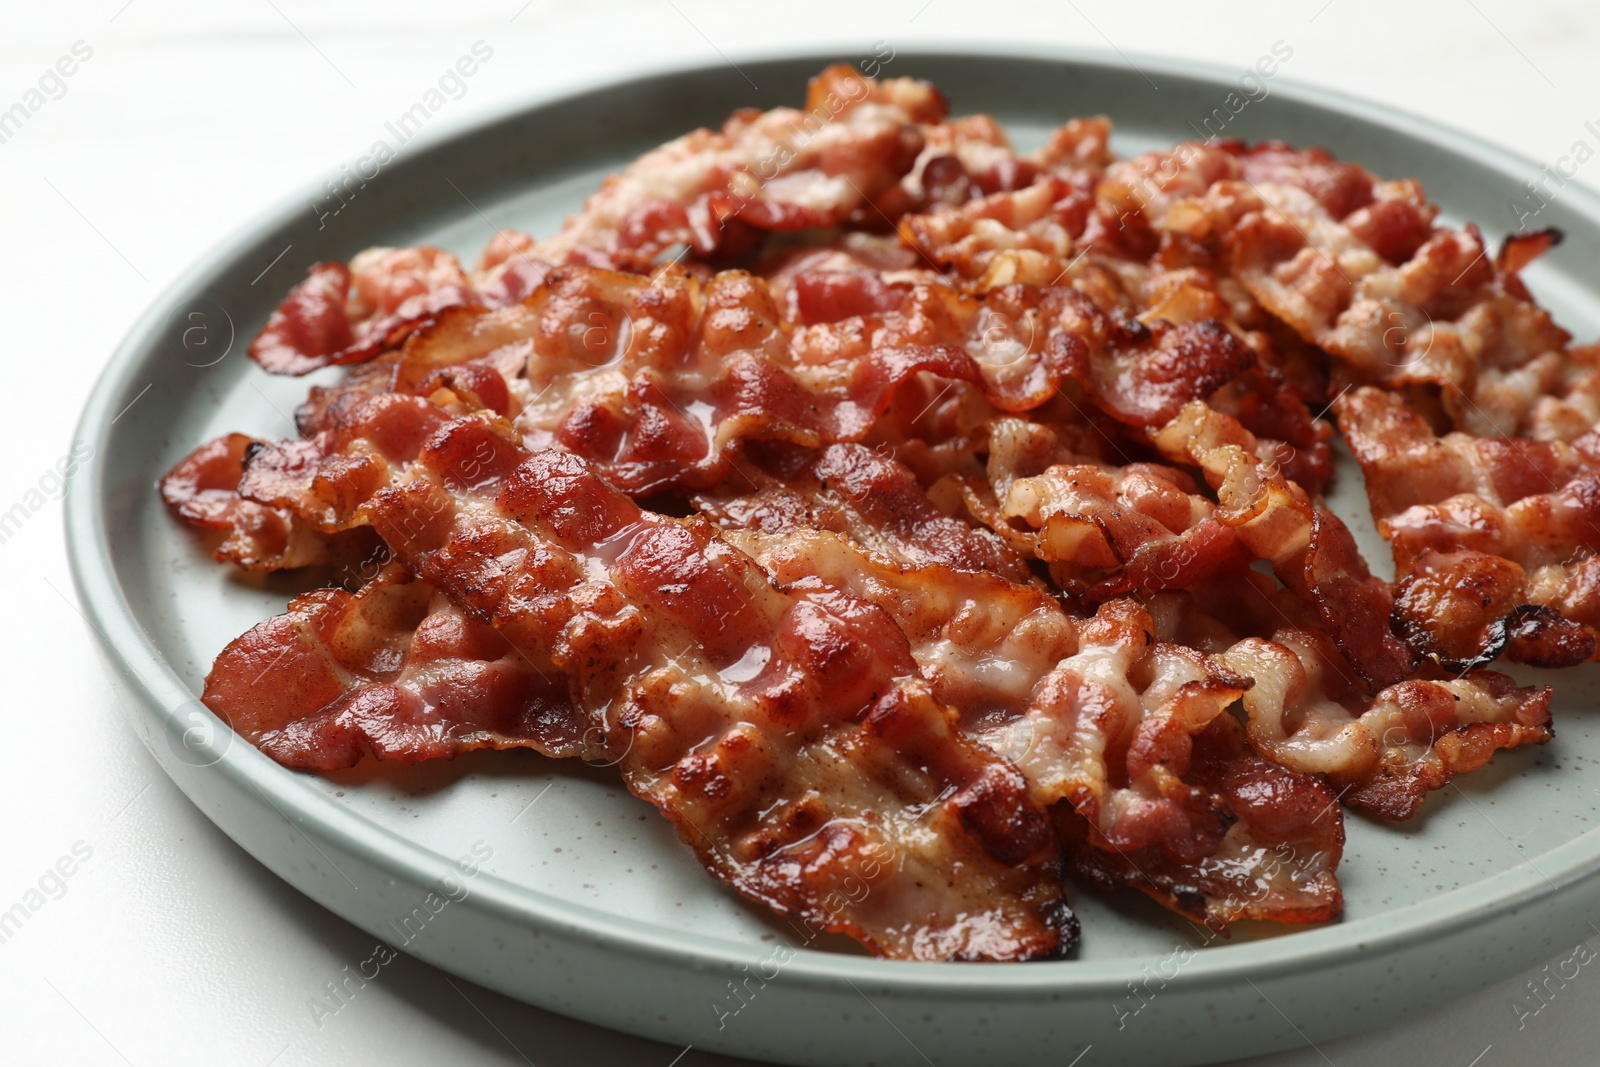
343	314
1104	530
713	691
981	640
1467	608
1024	235
1275	862
1135	735
784	169
396	670
203	490
1068	701
971	157
1360	268
1311	711
1107	531
660	379
868	497
1414	736
1310	549
1032	235
1494	539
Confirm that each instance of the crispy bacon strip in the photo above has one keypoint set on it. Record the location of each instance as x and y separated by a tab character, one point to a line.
1109	530
783	169
1361	268
1494	539
1025	235
1310	549
1104	530
982	641
716	693
660	380
1276	860
971	157
396	670
1053	696
1054	233
1413	738
203	490
871	499
1135	735
343	314
1310	711
717	191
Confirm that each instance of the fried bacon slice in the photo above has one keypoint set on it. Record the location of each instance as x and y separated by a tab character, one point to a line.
349	314
1291	879
1412	738
1311	711
1494	539
788	735
1082	707
1054	233
1108	530
395	669
866	496
1104	529
1311	551
1134	734
1022	235
981	640
203	490
1361	268
783	169
660	379
970	158
778	170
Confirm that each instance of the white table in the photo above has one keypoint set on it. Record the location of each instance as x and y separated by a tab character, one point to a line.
168	944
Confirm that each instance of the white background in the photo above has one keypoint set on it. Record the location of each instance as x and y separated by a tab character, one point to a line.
170	944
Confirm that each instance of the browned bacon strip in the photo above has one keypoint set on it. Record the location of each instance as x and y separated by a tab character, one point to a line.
981	640
203	489
783	169
858	155
1275	861
396	670
1360	267
1054	233
1310	711
1104	530
868	497
1494	539
660	380
343	314
718	192
1115	729
1310	549
1132	736
787	735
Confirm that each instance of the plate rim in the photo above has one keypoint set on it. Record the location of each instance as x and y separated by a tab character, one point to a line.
161	693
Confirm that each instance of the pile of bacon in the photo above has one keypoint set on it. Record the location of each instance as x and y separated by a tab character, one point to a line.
919	524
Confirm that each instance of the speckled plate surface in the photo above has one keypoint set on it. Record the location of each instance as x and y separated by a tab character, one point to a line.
550	883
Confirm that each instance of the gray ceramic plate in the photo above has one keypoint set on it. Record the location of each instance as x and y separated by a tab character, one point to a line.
551	884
